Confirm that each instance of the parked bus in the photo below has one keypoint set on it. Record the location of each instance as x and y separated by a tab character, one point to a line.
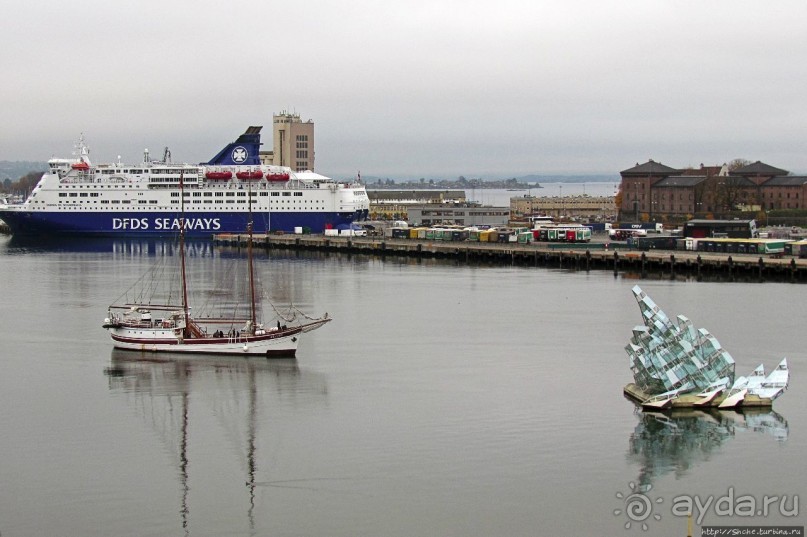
731	229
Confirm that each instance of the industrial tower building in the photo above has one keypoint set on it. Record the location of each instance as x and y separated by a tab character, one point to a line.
292	142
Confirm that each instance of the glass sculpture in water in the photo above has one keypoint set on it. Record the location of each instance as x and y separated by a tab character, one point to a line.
672	359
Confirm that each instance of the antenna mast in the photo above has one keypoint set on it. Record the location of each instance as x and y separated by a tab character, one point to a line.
182	250
249	262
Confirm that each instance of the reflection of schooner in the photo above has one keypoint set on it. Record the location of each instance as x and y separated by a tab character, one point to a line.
132	325
676	440
164	385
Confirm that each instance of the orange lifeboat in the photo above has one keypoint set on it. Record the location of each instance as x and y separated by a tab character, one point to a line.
219	175
81	166
249	175
277	176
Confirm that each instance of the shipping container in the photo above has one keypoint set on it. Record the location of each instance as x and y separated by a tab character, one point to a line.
583	235
799	248
654	243
562	233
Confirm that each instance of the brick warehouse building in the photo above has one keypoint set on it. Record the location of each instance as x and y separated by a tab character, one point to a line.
655	192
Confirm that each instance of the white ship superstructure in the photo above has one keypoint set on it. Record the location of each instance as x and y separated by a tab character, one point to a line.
77	196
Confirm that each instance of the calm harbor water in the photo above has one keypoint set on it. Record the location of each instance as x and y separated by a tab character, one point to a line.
442	400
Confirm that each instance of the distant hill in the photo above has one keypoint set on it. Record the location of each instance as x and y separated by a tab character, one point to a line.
15	169
596	178
523	179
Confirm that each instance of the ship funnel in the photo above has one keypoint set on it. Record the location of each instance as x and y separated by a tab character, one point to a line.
243	152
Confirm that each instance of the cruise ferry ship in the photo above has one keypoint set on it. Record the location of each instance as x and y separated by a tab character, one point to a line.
76	196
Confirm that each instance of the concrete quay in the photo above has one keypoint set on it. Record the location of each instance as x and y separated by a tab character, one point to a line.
580	256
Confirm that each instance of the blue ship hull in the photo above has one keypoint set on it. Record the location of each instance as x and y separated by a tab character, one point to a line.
197	224
147	199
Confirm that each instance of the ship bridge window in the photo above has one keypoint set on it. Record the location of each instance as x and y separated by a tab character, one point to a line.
218	194
264	193
230	194
275	193
287	193
242	193
62	194
74	194
208	194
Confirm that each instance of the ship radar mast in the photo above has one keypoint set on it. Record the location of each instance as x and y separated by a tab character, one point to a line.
81	151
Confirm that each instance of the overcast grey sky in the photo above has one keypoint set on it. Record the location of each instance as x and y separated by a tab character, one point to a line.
421	88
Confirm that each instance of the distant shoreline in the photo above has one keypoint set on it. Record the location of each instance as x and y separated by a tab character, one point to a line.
481	185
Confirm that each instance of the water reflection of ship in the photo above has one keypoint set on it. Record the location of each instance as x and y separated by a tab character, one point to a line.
162	384
676	441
